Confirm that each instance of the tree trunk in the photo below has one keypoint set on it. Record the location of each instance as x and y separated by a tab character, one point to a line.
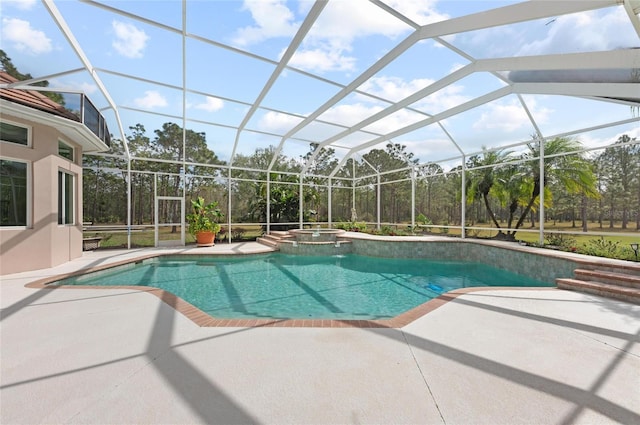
96	193
611	214
490	211
534	194
583	213
533	219
638	210
600	210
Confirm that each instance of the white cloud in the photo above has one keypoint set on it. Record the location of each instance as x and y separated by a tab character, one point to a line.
323	60
341	23
349	114
25	38
329	43
509	116
395	121
130	41
422	12
21	4
456	66
211	104
430	149
277	122
591	140
395	89
86	88
151	99
588	31
272	19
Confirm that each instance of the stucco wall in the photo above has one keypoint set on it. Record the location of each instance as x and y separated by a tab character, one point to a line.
44	243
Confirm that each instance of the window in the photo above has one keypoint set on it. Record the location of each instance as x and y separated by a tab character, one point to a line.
65	150
14	134
13	193
65	198
91	117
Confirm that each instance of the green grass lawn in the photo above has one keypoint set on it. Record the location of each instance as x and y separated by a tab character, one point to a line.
613	246
146	237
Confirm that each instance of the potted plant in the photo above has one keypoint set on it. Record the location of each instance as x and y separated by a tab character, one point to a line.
203	221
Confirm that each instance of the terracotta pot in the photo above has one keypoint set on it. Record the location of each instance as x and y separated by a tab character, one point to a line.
205	238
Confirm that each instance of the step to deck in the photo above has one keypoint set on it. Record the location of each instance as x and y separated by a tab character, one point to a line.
614	278
630	268
608	290
271	243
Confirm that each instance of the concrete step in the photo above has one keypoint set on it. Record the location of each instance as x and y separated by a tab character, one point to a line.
271	238
614	278
268	242
279	236
630	268
279	233
608	290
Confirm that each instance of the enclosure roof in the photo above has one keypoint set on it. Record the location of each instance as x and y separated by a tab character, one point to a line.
443	78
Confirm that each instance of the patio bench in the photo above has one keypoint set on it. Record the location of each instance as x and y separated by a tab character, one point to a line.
89	244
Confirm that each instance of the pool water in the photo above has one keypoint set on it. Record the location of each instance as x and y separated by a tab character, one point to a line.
302	287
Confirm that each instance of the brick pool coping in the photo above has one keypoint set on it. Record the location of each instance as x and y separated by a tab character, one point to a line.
203	319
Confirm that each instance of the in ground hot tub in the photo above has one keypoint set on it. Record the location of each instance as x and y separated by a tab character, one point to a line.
316	235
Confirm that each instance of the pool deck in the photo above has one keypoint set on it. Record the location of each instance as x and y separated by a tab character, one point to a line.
120	356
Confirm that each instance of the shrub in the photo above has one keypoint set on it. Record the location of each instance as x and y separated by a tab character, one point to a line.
237	233
473	233
387	230
445	229
422	219
603	248
352	226
560	240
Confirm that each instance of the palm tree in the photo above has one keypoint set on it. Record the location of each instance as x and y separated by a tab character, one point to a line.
484	177
563	164
517	186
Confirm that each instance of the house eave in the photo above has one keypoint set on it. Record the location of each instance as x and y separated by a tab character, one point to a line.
75	131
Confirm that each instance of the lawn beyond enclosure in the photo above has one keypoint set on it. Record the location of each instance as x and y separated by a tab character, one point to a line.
590	243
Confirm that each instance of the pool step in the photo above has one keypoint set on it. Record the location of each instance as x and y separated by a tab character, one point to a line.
274	238
280	234
268	242
613	278
605	282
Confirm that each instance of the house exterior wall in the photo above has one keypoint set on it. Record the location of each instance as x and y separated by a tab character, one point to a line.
43	243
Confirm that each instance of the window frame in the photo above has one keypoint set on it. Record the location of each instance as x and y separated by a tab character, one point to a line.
29	195
62	198
20	125
71	148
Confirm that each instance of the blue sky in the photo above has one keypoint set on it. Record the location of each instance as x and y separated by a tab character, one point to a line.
346	40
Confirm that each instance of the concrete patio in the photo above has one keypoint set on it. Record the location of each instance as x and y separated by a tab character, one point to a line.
493	357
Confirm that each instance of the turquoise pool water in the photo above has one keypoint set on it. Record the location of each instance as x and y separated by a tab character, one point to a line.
289	286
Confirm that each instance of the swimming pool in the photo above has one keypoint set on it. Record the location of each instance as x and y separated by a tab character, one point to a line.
278	285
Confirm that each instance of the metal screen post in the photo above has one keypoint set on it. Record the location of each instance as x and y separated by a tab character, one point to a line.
463	201
301	203
378	202
541	196
329	191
